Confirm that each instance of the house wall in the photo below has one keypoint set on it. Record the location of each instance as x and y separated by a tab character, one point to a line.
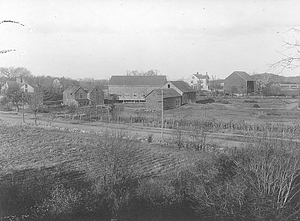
68	96
27	88
172	102
235	84
131	93
80	94
189	97
4	88
152	101
96	97
197	84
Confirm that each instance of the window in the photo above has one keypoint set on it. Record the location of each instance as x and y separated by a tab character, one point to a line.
80	95
127	95
26	86
143	95
169	86
70	93
135	95
26	90
192	82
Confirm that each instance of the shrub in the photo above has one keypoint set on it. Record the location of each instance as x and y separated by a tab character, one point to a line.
154	199
271	171
150	138
120	176
61	205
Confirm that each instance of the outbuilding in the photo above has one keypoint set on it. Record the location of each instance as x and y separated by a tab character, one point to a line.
171	99
239	82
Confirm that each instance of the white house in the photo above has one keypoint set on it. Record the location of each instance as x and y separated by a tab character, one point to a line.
198	81
56	83
18	84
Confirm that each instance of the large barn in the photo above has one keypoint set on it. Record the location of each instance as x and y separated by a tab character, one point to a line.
133	89
239	82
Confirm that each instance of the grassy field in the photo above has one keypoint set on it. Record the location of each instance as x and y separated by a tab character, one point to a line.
270	110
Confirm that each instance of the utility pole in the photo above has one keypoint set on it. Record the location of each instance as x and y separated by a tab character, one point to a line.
23	115
162	113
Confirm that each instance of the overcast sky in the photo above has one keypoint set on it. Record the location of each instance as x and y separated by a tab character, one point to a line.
97	39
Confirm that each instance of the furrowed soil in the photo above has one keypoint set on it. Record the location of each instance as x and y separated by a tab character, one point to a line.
25	148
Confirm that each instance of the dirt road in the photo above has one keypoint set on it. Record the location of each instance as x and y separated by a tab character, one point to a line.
132	130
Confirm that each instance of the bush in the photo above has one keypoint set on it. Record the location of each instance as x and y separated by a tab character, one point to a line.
61	205
150	138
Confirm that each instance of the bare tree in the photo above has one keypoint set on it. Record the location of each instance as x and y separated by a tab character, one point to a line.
291	52
11	73
35	101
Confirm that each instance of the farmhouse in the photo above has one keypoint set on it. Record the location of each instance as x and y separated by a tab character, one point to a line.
133	89
17	85
76	93
56	83
171	99
239	82
92	96
188	94
198	81
95	96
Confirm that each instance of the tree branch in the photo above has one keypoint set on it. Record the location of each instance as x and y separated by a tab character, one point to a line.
10	21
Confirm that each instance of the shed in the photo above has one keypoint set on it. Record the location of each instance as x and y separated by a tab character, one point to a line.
171	99
188	94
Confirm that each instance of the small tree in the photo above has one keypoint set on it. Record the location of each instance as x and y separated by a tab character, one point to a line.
35	101
72	107
14	95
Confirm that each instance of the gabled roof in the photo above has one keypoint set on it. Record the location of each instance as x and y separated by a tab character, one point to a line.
201	76
90	90
243	75
138	80
182	86
167	93
12	84
72	89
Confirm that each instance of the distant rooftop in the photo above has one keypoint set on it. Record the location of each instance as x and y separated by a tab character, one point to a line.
182	86
158	80
167	92
243	75
201	76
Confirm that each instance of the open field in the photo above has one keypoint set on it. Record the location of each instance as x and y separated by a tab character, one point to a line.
25	147
274	110
50	171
